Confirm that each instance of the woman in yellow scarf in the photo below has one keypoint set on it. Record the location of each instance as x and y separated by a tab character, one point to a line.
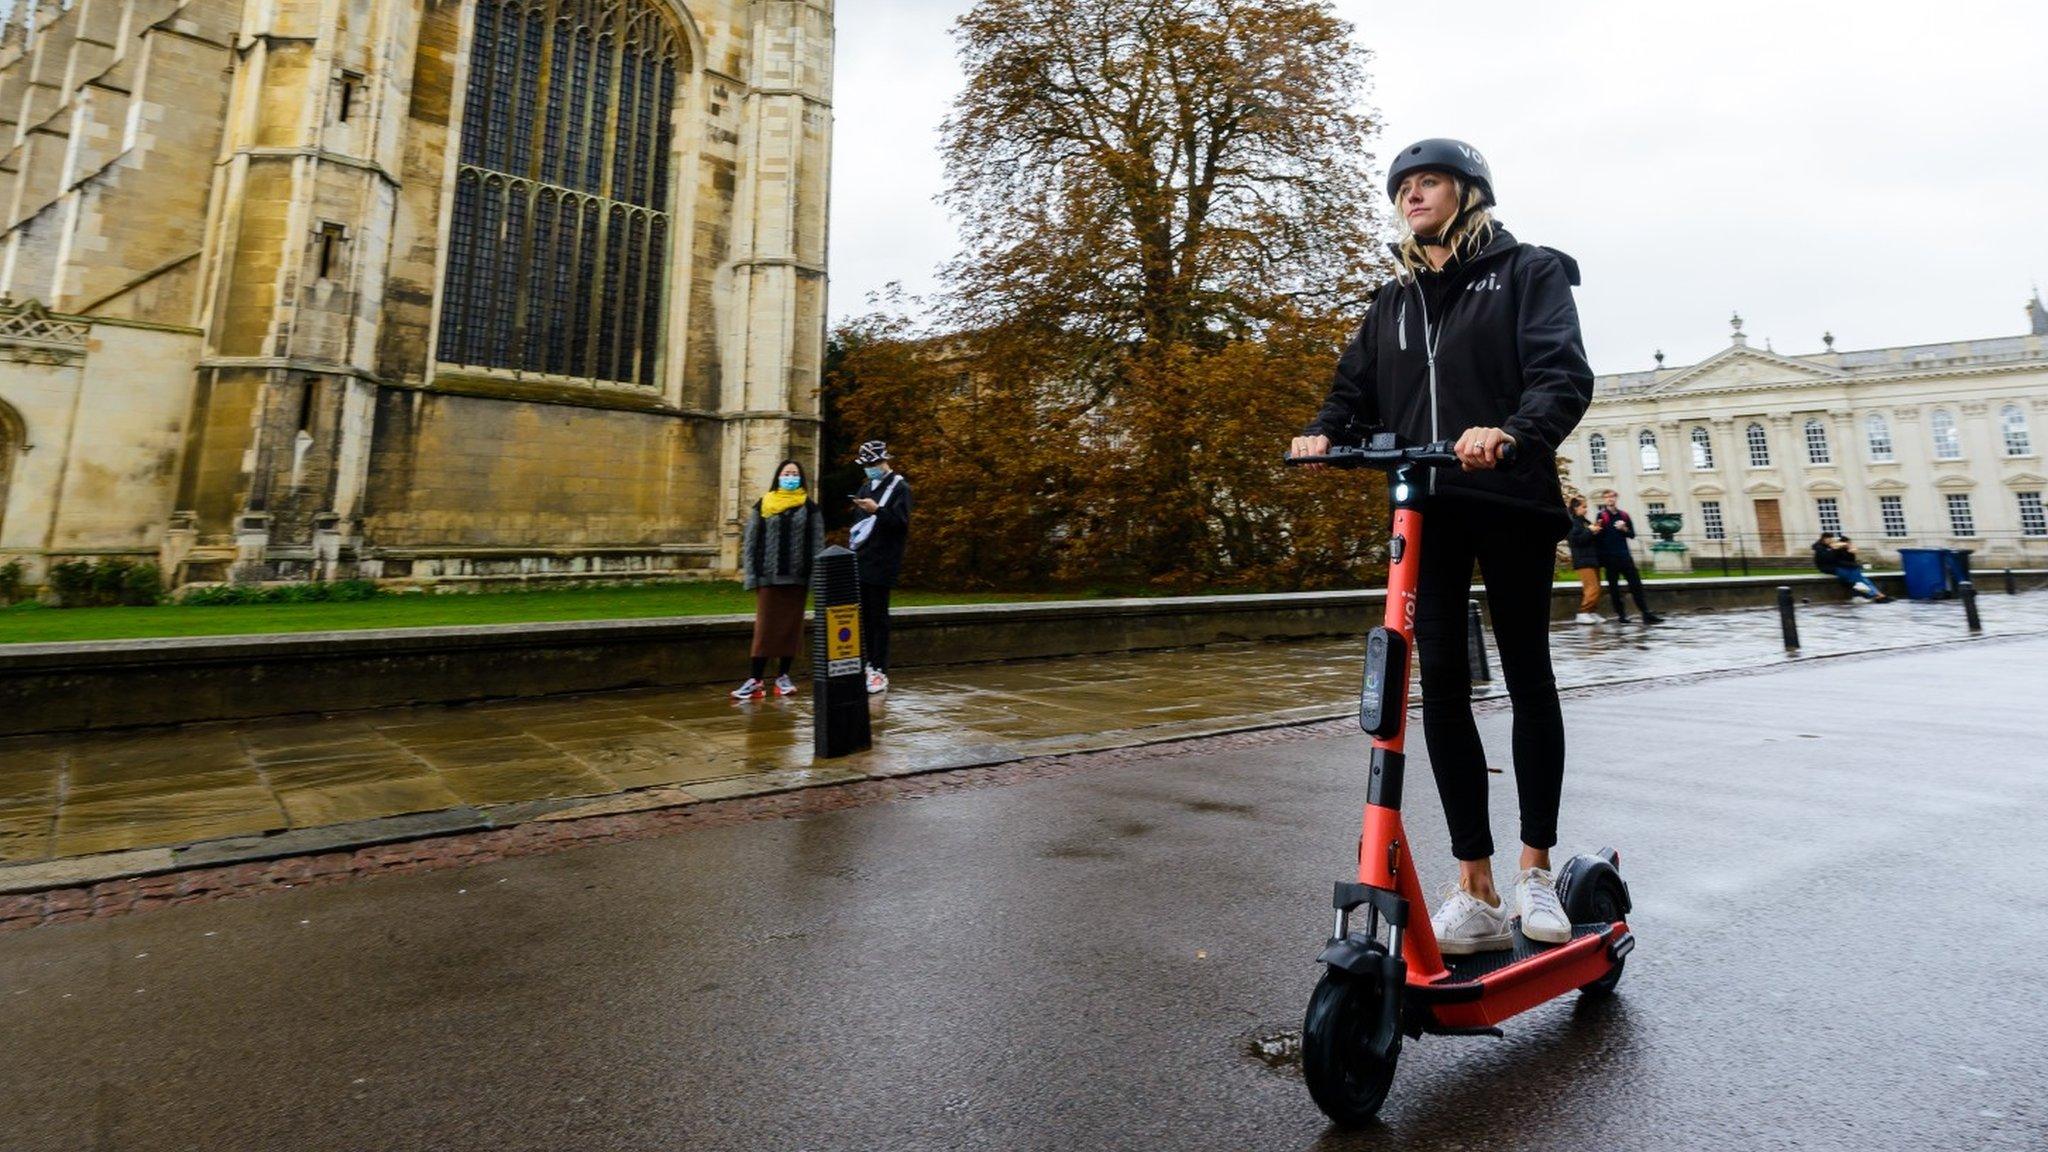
784	531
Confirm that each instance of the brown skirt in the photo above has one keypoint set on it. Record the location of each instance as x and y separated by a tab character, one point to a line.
778	619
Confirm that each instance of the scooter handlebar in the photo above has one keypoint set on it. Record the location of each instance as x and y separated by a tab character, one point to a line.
1438	454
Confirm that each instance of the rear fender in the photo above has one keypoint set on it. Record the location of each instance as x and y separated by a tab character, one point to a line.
1585	874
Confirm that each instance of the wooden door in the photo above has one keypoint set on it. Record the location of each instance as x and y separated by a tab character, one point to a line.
1769	528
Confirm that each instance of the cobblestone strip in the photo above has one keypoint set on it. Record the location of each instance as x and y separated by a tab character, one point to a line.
540	837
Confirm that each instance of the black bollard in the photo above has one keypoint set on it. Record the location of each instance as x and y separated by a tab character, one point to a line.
1968	592
2011	588
1785	618
1475	644
839	690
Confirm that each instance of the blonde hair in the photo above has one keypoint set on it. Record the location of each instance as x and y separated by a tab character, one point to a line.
1470	231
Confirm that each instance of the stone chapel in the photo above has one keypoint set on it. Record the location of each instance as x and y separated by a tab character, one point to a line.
453	289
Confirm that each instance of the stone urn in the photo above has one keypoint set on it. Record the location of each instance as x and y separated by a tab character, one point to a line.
1668	554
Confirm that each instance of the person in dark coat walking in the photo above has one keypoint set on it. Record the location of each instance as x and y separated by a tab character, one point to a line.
784	532
879	540
1617	528
1584	538
1476	339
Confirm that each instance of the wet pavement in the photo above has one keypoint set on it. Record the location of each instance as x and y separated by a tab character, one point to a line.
74	796
1831	865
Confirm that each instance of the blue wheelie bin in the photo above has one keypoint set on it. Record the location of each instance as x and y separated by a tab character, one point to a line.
1926	572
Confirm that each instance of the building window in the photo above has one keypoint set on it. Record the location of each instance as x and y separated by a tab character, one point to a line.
2013	423
1702	450
1817	444
1960	521
1596	451
1710	519
1947	445
1830	511
1892	511
1878	431
1646	446
1656	507
2033	518
558	244
1759	446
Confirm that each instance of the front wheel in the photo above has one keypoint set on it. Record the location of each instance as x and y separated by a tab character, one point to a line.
1347	1082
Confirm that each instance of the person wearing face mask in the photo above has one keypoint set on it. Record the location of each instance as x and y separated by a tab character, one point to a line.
784	531
1476	340
878	539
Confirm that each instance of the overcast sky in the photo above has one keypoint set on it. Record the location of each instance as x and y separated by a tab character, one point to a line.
1878	169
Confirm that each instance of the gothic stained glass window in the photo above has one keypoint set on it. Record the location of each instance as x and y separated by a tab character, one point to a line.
558	244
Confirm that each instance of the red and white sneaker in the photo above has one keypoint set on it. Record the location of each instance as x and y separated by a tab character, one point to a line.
752	690
878	681
784	686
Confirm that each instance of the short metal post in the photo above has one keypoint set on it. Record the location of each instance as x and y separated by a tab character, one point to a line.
2011	587
1475	644
1786	619
1968	592
839	693
1742	552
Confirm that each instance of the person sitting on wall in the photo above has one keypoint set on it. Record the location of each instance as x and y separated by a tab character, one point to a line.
1835	556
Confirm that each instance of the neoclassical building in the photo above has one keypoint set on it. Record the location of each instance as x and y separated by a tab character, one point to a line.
407	287
1931	445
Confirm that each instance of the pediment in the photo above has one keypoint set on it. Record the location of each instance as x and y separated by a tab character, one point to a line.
1707	488
1741	366
1955	482
1823	484
1888	484
1763	485
1657	490
2026	480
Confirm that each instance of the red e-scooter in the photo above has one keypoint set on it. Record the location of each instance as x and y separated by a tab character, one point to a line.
1373	993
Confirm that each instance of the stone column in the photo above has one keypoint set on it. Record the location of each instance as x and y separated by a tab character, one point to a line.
774	348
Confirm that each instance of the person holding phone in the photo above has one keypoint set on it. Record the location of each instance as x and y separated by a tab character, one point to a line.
879	539
1476	339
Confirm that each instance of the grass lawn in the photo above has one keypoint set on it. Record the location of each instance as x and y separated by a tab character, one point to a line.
29	623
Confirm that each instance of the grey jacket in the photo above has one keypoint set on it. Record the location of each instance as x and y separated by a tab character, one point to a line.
778	550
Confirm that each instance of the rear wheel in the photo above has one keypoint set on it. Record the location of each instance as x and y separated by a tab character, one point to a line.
1347	1082
1599	903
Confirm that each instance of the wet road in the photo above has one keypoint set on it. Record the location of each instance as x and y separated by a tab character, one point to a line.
1835	866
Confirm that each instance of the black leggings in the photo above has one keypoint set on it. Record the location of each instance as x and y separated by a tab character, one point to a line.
1516	554
874	624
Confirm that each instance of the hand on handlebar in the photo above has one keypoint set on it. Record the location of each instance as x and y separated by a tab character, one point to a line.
1480	449
1310	446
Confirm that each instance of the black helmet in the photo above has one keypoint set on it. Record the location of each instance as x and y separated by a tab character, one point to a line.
1449	155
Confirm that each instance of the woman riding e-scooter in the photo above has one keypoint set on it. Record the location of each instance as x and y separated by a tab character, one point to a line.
1476	338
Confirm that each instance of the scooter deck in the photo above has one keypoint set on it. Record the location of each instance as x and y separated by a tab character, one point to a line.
1479	964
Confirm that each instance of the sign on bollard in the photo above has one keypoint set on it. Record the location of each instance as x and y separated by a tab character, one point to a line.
839	691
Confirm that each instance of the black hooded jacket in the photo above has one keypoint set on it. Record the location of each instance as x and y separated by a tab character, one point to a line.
1508	356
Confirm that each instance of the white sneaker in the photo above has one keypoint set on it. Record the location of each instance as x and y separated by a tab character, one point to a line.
784	686
1543	918
1586	618
751	690
1466	924
878	681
